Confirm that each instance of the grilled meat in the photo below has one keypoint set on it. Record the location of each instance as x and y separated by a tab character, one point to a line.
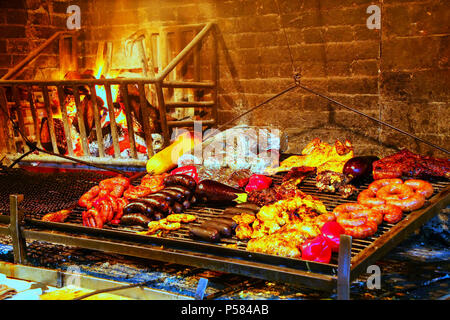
275	245
409	164
319	155
330	181
58	216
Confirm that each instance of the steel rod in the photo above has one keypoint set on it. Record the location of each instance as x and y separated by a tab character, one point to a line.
344	262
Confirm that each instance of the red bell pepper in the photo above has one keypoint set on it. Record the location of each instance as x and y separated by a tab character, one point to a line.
317	249
243	182
258	182
332	231
187	170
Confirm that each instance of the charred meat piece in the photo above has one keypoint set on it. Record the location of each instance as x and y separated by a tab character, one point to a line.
58	216
296	175
334	182
408	164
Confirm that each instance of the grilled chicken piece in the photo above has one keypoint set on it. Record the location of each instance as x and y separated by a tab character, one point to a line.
244	218
244	231
274	245
319	155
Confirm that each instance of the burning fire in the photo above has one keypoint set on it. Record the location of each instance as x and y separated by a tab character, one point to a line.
119	115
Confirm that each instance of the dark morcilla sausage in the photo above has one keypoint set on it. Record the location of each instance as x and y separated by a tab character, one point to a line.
135	219
180	180
249	205
185	191
207	234
138	207
233	210
223	228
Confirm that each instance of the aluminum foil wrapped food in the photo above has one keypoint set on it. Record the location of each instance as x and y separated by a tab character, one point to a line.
239	148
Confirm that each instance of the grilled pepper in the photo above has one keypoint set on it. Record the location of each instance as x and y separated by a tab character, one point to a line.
188	171
317	249
332	231
258	182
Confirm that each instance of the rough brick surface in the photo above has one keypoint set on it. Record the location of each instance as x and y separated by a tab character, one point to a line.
399	74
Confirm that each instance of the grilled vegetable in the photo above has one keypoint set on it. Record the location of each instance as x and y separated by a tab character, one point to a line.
207	234
135	219
216	192
188	171
167	158
357	168
258	182
138	207
180	180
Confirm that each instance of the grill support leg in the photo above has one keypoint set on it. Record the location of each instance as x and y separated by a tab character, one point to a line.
201	288
15	228
344	260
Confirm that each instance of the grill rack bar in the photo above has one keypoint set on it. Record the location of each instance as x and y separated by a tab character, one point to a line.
231	256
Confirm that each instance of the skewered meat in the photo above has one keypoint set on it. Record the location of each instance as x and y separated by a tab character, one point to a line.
407	163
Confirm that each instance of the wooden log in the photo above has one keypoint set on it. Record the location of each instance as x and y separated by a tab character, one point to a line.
112	121
81	126
65	119
98	125
34	116
129	117
145	115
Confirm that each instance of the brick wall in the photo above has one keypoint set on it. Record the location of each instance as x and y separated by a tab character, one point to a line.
399	74
24	25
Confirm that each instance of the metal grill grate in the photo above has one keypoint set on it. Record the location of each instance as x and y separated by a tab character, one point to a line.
205	213
45	192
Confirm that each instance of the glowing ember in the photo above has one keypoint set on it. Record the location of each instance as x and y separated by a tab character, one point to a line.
119	115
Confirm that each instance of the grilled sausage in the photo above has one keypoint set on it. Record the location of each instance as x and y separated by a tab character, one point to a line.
158	216
234	210
228	221
207	234
180	180
175	195
135	219
177	208
249	205
138	207
161	196
223	228
158	204
186	204
185	191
